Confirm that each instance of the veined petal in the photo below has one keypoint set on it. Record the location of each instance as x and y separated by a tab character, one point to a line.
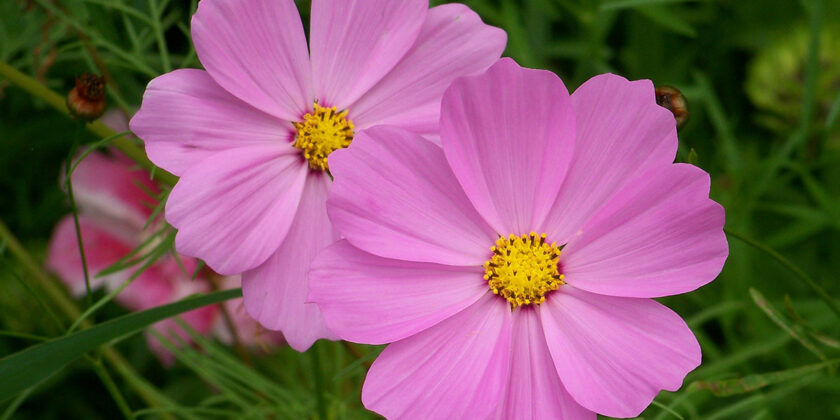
615	354
621	132
453	42
256	50
533	389
395	196
456	369
186	117
234	209
659	235
275	292
508	135
354	43
375	300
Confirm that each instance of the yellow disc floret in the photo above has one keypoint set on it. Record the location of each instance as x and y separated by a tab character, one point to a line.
523	269
323	131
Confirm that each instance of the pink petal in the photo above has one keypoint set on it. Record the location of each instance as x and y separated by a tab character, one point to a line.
110	187
621	132
153	287
374	300
456	369
659	235
395	196
453	42
354	43
102	248
533	390
186	117
275	292
234	208
615	354
256	50
508	135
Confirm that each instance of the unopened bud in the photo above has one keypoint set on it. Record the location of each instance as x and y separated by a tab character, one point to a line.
87	100
674	101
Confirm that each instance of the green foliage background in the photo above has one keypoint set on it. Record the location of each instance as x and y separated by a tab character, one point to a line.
770	342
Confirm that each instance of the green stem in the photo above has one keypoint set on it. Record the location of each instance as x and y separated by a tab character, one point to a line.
832	304
112	388
319	383
56	101
68	182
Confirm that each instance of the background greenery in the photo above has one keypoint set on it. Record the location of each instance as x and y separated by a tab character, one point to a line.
769	337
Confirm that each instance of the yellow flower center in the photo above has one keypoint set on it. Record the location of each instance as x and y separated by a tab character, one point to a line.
323	131
523	269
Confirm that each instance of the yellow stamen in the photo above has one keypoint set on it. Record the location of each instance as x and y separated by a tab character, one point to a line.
523	269
323	131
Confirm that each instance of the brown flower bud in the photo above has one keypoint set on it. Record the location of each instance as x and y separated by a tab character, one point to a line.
674	101
87	100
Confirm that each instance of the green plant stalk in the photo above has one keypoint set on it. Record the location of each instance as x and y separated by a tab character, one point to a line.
319	383
832	304
71	311
112	388
53	99
68	182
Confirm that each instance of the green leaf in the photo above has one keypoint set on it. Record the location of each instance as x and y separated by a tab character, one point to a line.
749	383
692	158
779	319
31	366
667	20
627	4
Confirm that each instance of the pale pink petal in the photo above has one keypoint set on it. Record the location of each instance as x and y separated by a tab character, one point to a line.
659	235
453	42
153	287
235	208
354	43
456	369
116	120
509	135
275	292
256	50
109	186
375	300
102	249
533	390
395	196
186	117
621	132
615	354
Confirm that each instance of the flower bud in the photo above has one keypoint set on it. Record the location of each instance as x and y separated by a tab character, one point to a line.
87	100
674	101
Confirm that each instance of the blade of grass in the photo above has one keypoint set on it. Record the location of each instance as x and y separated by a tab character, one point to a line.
30	366
783	323
832	304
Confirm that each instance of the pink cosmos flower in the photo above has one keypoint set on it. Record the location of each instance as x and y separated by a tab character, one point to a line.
250	136
513	269
114	204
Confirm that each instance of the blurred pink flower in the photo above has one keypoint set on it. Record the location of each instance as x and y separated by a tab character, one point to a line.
530	328
250	136
114	204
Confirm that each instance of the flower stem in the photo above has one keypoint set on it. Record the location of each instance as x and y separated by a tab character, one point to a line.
832	304
68	166
112	388
319	383
56	101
